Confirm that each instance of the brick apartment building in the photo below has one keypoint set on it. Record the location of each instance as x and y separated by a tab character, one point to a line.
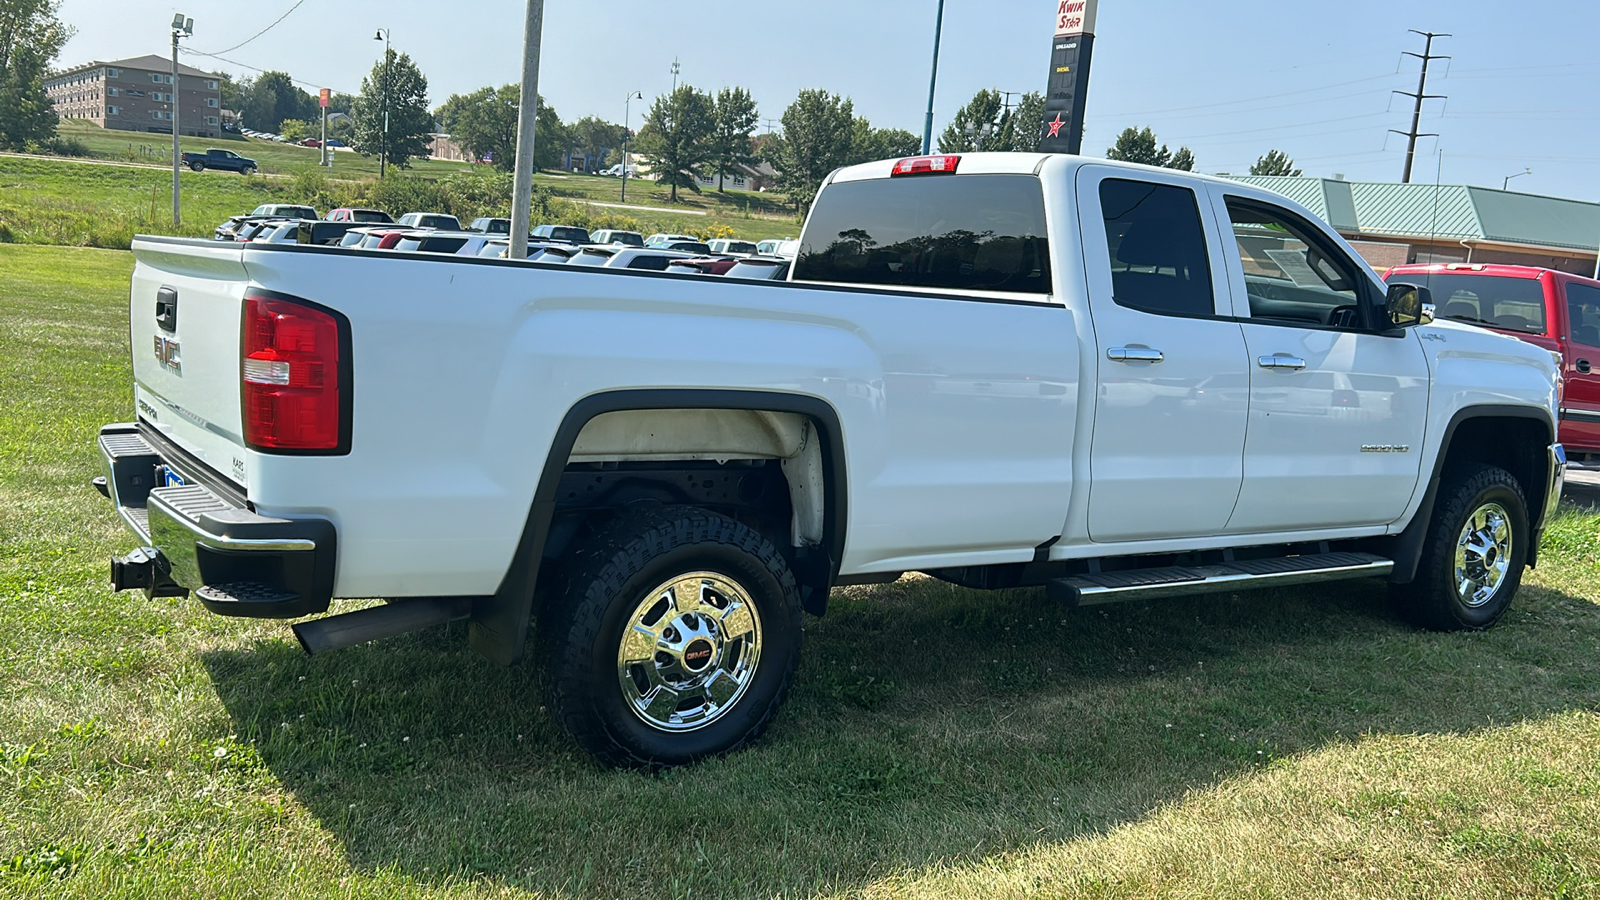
137	95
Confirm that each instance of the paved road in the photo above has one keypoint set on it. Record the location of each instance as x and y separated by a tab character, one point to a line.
1583	486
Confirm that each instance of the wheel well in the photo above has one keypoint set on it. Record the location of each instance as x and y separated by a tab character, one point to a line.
1514	444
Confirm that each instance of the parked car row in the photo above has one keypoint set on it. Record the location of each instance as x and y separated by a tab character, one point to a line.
280	139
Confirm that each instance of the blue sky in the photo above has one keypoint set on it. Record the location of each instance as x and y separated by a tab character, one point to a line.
1228	78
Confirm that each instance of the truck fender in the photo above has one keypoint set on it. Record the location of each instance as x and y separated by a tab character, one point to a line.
499	623
1406	547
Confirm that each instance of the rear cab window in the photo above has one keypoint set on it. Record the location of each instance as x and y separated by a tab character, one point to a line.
945	232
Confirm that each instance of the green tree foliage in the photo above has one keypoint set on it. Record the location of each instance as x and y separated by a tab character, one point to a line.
484	123
267	100
818	137
985	124
676	137
31	36
594	136
410	122
733	128
868	143
297	130
1139	146
1276	162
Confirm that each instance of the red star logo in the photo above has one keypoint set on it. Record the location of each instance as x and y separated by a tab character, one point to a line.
1055	126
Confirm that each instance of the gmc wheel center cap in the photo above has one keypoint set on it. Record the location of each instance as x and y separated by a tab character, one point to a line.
697	656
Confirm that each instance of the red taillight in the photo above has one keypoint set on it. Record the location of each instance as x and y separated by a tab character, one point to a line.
293	373
926	165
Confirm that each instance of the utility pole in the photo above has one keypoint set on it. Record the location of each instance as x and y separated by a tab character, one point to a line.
933	81
182	27
522	186
627	123
1422	94
675	70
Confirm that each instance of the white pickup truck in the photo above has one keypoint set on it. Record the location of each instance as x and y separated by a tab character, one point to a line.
1002	370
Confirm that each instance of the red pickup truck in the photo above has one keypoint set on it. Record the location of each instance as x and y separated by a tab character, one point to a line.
1556	310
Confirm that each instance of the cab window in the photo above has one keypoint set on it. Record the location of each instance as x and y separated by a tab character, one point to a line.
1583	314
1292	275
1157	244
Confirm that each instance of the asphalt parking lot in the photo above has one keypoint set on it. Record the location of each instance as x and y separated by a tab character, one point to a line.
1583	486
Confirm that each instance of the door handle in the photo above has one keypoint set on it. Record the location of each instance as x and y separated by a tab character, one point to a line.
1135	354
1281	362
1583	366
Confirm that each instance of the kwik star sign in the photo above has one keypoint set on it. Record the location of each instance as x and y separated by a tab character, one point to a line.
1069	76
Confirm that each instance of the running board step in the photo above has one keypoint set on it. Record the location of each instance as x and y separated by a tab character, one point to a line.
1144	584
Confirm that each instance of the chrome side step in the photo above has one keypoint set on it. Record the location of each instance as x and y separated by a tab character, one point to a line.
1145	584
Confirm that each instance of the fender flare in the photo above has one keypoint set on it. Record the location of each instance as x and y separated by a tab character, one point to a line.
1406	547
499	623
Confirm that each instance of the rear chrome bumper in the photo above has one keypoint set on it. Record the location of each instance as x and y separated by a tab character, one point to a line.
238	563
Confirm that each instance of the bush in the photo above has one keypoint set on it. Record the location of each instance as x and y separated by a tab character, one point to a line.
6	237
60	146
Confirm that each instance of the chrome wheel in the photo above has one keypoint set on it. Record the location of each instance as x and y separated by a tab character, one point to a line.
1483	554
689	651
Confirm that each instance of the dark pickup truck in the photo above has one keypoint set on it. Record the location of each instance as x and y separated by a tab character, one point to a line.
226	160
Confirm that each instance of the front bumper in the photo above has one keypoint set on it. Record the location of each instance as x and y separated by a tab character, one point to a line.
236	562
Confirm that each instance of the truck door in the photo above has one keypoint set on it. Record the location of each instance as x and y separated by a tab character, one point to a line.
1338	403
1580	406
1170	409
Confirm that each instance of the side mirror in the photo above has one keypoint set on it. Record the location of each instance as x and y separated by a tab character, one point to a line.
1408	305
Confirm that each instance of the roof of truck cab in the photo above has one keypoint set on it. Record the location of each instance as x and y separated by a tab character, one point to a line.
1014	164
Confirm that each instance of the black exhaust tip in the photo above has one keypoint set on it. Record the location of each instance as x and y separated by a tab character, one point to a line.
378	622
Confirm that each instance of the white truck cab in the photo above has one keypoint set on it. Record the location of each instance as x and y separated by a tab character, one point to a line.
1004	370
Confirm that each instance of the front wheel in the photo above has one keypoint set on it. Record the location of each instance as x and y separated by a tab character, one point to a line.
247	171
1473	556
676	638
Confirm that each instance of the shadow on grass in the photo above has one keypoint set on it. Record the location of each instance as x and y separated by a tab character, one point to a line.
928	725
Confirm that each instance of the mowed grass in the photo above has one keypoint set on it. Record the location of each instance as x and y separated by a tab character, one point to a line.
939	742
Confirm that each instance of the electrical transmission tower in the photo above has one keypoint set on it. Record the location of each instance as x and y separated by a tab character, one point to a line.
1422	94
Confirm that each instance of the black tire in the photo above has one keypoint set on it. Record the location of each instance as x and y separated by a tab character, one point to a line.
247	171
1434	600
198	167
595	695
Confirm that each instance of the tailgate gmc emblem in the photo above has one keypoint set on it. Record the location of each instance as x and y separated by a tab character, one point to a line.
167	354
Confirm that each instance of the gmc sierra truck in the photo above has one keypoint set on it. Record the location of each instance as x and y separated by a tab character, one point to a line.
1002	370
225	160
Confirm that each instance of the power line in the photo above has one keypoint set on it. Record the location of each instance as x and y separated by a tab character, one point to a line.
264	30
1422	94
234	62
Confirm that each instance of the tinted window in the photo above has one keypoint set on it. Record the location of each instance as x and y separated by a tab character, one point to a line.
689	247
493	250
763	270
443	245
575	235
363	215
739	247
961	232
1583	314
409	244
1158	253
352	239
647	261
1292	274
1516	304
591	258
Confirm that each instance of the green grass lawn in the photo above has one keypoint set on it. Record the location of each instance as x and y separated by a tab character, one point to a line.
939	742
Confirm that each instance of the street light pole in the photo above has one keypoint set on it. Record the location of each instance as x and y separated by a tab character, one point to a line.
933	82
1504	185
527	118
383	136
182	27
627	122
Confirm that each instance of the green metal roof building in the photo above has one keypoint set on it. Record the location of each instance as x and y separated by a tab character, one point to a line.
1392	223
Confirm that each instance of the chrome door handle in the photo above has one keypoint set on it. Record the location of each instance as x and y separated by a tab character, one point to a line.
1281	362
1135	354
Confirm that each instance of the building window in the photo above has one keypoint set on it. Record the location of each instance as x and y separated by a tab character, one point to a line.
161	114
113	110
113	92
211	102
113	73
211	120
211	85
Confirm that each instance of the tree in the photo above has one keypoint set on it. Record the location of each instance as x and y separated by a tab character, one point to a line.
1139	146
868	143
675	139
595	136
818	137
410	122
31	36
1276	162
1027	123
732	133
297	130
265	101
976	126
484	123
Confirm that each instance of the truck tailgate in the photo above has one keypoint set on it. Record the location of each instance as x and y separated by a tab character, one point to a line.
184	324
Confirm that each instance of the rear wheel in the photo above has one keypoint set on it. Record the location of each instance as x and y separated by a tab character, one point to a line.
676	638
1473	556
198	167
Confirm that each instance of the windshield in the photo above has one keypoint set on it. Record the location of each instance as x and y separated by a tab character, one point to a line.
1513	304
